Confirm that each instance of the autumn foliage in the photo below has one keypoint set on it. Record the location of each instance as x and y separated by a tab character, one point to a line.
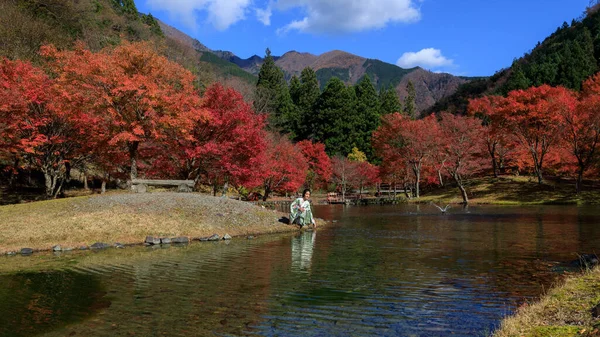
137	95
127	111
319	164
284	167
227	147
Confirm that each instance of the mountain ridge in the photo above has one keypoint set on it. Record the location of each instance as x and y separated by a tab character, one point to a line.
350	68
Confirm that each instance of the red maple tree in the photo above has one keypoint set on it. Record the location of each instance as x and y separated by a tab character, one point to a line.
225	149
38	129
138	94
283	168
319	163
462	146
534	118
500	142
582	128
412	140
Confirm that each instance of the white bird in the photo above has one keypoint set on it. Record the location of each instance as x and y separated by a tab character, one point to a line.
443	210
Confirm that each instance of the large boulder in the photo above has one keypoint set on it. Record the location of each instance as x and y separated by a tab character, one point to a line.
139	188
26	251
214	237
152	240
165	241
180	239
100	245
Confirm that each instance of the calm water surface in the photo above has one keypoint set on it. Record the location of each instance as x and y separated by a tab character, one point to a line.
378	271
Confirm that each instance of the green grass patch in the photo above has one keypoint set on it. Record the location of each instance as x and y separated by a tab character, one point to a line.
564	311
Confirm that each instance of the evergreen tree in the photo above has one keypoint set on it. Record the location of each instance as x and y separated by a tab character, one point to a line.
153	24
368	110
307	99
295	87
389	100
517	80
410	103
273	98
336	119
126	7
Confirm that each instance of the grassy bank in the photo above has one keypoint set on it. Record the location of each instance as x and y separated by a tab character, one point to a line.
128	218
565	310
514	190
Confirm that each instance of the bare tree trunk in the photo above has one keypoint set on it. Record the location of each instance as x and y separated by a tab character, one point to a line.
68	171
440	178
85	182
133	152
417	179
225	188
267	192
59	189
463	192
579	182
492	151
103	188
48	182
13	174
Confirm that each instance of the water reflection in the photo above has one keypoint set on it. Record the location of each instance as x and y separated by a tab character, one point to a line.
378	271
302	251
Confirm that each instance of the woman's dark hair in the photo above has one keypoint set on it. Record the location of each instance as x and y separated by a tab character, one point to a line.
304	193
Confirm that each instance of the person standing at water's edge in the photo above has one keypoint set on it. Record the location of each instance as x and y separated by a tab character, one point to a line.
300	212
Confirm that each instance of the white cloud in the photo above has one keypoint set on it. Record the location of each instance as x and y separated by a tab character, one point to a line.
220	13
264	15
427	58
344	16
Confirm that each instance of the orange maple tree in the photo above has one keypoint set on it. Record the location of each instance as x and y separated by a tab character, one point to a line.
137	94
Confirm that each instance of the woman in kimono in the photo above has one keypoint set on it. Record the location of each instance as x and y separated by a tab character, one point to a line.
300	212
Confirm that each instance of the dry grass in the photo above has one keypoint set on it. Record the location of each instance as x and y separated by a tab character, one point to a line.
513	190
128	218
564	311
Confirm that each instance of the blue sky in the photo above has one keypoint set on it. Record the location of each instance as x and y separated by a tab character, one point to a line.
463	37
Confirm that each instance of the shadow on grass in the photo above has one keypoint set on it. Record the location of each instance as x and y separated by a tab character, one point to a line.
518	190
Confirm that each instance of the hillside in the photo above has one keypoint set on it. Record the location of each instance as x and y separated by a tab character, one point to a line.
565	58
25	25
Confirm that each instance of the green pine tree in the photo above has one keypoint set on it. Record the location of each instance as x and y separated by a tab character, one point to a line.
273	98
517	80
410	102
336	118
126	7
295	87
389	100
307	98
368	110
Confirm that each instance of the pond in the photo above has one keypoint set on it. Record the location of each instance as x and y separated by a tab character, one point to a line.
377	271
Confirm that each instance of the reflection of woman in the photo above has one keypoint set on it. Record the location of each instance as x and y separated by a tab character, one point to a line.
300	213
302	250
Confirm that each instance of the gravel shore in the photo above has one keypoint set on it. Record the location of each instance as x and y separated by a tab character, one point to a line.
128	218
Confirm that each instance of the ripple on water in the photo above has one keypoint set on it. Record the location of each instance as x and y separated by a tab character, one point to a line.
372	274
